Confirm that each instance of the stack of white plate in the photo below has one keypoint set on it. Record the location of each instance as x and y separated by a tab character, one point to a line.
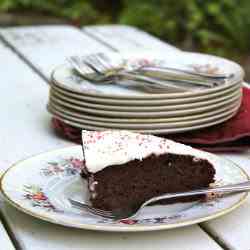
96	106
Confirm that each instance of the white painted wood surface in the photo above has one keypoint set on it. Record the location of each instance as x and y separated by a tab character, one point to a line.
26	119
47	46
26	131
33	234
123	38
25	124
5	242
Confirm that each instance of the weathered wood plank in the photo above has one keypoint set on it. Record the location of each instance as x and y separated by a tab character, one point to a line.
25	131
122	38
25	124
5	241
32	232
45	47
48	46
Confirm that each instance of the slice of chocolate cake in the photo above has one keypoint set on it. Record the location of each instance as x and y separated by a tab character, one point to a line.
125	169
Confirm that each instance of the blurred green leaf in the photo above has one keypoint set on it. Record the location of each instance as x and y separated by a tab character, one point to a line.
216	26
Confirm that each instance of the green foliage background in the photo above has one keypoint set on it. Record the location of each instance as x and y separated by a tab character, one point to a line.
220	27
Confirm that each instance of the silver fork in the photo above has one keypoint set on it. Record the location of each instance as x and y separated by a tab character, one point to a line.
108	72
86	66
101	64
129	212
187	77
153	68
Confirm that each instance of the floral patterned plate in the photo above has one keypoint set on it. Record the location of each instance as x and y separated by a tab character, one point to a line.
84	116
40	186
141	126
135	108
169	100
157	130
169	112
65	78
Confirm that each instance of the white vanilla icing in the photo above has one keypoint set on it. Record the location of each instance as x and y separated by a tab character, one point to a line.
116	147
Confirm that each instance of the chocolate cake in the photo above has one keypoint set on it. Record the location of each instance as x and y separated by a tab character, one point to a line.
125	169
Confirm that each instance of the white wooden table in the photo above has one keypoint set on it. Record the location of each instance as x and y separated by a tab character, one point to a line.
27	57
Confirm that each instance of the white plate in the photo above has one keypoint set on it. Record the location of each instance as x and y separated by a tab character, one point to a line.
142	126
150	102
163	131
64	77
85	116
134	114
40	186
145	108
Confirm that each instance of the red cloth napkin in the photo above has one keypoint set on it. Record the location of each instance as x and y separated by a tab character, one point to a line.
232	135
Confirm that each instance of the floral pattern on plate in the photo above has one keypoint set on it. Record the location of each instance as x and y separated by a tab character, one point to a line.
205	68
67	167
37	198
155	220
41	186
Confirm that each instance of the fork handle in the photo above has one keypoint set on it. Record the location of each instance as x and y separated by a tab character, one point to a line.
215	76
184	79
161	83
232	188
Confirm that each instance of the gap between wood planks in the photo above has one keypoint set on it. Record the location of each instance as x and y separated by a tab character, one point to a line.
25	60
22	57
99	40
212	235
16	242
